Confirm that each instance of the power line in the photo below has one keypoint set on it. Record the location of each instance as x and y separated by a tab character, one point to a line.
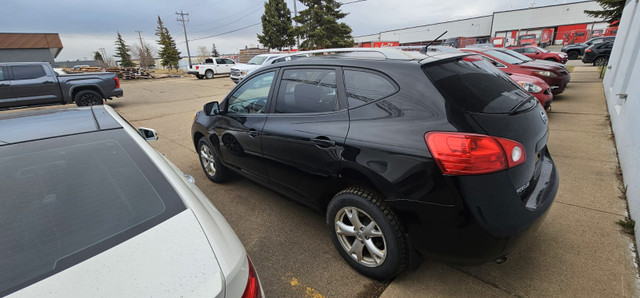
230	23
220	34
227	17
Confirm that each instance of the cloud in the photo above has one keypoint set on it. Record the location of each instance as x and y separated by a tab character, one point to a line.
86	25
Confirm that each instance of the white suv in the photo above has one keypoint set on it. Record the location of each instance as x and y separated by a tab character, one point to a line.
239	71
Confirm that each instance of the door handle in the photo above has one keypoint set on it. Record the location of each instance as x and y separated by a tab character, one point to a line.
253	133
47	82
323	142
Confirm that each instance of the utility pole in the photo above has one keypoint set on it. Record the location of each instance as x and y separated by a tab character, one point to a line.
140	36
184	27
295	13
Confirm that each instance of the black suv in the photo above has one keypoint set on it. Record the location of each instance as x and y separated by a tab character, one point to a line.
442	155
598	54
575	50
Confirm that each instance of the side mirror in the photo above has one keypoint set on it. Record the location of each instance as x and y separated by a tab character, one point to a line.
212	108
148	133
493	62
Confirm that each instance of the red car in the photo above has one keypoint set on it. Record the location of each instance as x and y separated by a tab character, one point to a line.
555	75
537	87
542	54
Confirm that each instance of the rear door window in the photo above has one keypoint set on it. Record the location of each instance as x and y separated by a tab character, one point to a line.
364	87
307	91
25	72
67	199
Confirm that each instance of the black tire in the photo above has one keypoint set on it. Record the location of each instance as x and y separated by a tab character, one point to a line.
572	55
200	77
88	98
208	74
210	162
600	61
371	210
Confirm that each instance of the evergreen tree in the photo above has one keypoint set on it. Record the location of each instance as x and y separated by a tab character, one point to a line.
149	57
319	25
277	31
168	50
122	52
98	57
612	10
214	51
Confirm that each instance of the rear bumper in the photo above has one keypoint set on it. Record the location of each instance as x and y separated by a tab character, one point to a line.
489	221
193	72
117	92
588	58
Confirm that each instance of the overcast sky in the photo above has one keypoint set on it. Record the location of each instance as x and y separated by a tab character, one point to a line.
86	25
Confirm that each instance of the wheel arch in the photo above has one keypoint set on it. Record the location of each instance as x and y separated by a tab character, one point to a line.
76	89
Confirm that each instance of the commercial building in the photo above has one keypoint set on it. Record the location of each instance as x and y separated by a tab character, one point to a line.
548	23
622	91
29	47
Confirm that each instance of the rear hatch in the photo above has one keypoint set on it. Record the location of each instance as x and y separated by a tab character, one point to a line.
496	106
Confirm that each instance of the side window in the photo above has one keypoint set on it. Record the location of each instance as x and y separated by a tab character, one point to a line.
208	61
494	62
364	87
251	97
220	61
519	50
307	91
229	61
530	50
25	72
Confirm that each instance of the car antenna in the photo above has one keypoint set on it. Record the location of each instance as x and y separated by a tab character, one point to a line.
424	51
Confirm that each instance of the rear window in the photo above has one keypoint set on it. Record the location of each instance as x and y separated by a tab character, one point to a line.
67	199
365	87
474	85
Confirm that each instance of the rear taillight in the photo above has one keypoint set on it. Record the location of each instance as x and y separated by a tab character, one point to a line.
252	290
473	154
117	82
588	51
197	67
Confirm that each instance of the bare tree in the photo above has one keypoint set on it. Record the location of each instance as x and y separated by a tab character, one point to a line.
144	55
203	53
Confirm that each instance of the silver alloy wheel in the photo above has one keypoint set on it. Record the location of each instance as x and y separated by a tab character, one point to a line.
360	236
207	160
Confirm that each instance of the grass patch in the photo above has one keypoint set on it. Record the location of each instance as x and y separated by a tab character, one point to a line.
571	67
627	225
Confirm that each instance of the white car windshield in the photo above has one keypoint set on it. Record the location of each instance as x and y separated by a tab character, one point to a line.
257	60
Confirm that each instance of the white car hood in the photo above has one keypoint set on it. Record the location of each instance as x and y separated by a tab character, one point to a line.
172	259
247	67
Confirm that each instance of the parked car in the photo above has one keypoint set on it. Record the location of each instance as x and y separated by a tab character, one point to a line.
527	39
442	155
211	67
90	209
576	50
556	76
36	83
537	87
239	71
598	54
542	54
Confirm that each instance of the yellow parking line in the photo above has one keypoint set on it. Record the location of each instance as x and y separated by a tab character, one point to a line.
309	291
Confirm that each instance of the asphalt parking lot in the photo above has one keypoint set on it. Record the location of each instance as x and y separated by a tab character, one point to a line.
579	251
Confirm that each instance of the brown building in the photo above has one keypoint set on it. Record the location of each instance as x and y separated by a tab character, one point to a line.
29	47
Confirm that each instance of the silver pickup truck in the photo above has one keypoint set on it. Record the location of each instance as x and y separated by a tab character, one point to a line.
35	83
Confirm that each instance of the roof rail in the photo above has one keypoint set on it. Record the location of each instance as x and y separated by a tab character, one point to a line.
379	53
